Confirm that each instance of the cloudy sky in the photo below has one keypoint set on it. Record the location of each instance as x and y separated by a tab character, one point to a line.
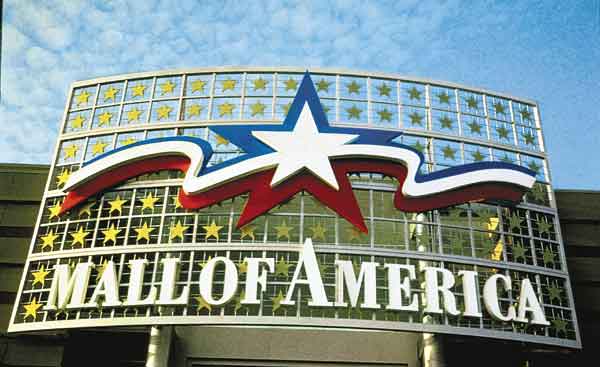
546	50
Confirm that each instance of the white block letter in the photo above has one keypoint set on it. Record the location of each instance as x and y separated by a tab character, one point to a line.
490	297
107	288
345	275
528	302
136	282
68	290
253	279
469	287
230	282
433	290
308	260
399	288
167	285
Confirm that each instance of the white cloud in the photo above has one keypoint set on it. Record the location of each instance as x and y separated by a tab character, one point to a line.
110	38
39	58
14	44
45	24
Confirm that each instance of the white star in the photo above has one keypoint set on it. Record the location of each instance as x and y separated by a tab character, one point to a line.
304	147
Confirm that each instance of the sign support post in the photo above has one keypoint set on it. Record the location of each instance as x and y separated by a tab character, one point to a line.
159	346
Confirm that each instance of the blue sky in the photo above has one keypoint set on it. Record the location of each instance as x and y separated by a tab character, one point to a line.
548	51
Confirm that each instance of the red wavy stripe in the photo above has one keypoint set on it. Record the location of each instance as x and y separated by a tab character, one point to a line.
262	197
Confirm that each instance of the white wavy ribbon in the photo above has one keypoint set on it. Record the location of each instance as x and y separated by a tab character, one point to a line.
195	182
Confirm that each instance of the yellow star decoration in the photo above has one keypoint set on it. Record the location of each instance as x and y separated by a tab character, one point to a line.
129	140
99	147
176	202
31	309
54	210
138	90
104	118
291	84
286	108
318	231
111	234
177	230
323	85
248	231
283	230
226	109
63	177
71	151
202	264
116	204
238	301
77	122
243	267
257	108
167	87
212	230
79	237
48	240
110	94
260	84
198	86
323	268
221	140
353	234
134	115
492	223
277	301
163	112
202	304
353	87
282	267
143	232
100	269
86	209
228	84
82	98
39	276
149	201
194	110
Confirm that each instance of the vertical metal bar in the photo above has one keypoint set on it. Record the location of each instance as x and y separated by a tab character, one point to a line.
432	350
158	346
369	103
458	112
181	108
486	117
428	116
274	97
399	105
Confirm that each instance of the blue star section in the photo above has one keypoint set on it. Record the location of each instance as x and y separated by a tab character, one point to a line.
470	167
241	135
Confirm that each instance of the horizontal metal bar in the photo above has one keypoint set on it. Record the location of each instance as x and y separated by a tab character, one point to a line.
292	321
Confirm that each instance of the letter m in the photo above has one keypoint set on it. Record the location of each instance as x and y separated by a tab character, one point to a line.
367	277
68	289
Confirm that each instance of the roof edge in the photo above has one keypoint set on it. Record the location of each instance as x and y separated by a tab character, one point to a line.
24	168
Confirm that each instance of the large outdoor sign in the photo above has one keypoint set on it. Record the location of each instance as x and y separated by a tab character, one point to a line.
268	223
